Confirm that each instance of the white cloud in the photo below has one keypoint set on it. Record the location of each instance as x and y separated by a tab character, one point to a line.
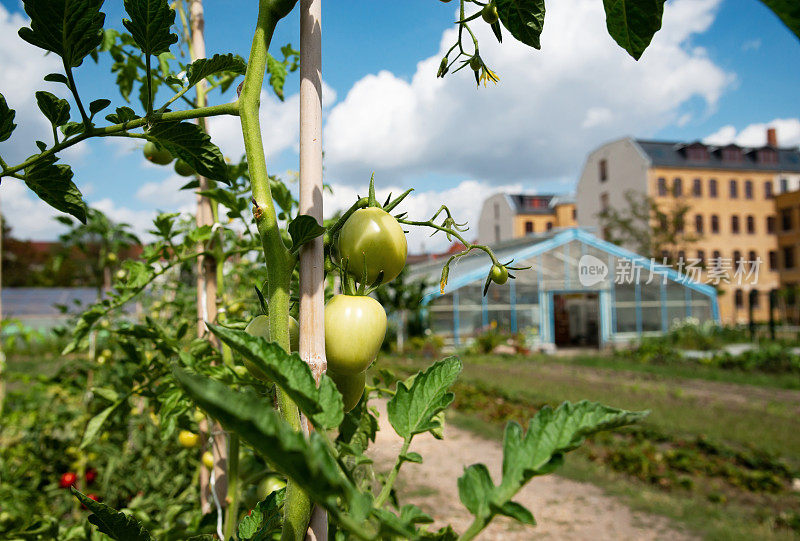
167	195
26	214
420	205
755	135
751	45
548	110
280	125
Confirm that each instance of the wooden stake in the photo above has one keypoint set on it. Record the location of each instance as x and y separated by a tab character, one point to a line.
207	281
312	270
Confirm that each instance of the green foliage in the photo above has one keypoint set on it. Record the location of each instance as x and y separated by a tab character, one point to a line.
6	120
69	28
53	184
150	25
788	11
279	69
111	522
265	519
303	229
205	67
56	110
523	18
633	23
190	143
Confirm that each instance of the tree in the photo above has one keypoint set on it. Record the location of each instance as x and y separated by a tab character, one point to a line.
647	228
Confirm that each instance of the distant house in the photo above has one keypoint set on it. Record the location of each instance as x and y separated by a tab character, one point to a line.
510	216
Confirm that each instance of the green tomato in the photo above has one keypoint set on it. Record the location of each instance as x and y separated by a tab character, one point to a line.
499	274
111	258
270	484
475	63
354	330
351	387
259	326
372	241
208	460
156	155
183	168
188	439
121	274
489	13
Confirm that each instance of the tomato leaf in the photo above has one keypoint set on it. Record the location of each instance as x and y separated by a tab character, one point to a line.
264	519
524	19
98	105
150	25
303	229
323	404
633	23
413	408
123	115
204	67
53	184
69	28
788	11
54	109
551	433
57	78
111	522
96	423
187	141
307	462
7	115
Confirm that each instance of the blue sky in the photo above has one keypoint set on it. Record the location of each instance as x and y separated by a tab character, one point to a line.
719	70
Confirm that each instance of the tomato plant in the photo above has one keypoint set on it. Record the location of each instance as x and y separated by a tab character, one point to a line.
311	427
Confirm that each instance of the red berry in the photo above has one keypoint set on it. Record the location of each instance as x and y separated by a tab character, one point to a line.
90	476
67	480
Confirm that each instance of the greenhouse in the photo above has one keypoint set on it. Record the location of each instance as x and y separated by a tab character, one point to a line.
578	291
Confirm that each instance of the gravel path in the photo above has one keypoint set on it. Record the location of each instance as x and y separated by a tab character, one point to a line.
564	509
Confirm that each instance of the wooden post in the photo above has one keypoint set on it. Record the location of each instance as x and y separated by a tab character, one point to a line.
207	281
312	270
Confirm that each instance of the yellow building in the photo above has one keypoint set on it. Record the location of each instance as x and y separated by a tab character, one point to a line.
730	191
509	216
787	211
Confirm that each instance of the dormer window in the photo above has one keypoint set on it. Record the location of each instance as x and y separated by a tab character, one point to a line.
732	154
697	153
767	155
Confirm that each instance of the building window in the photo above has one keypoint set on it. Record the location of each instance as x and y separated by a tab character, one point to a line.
496	210
784	185
603	170
739	298
529	227
751	256
712	187
751	224
677	187
716	259
549	226
662	186
732	154
714	223
697	188
662	221
770	224
767	155
753	296
497	233
679	224
734	224
788	257
604	201
737	258
768	190
701	256
786	219
698	223
748	189
681	257
575	214
773	260
734	189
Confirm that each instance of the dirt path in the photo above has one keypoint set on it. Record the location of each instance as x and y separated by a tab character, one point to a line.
564	509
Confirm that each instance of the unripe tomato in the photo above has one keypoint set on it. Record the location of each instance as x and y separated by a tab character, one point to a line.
102	359
270	484
475	63
183	168
208	460
354	330
157	155
188	439
111	258
67	480
106	353
499	274
351	387
489	13
198	416
259	326
237	307
372	241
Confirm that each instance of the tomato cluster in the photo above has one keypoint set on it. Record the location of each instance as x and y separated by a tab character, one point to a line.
162	156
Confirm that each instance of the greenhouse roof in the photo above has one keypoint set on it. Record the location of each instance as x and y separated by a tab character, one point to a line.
475	266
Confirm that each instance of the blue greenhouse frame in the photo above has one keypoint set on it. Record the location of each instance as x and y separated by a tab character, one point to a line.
606	297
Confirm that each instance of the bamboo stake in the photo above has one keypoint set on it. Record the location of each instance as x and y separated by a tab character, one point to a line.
312	274
207	280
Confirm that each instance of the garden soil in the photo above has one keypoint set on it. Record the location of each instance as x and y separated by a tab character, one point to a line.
564	509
